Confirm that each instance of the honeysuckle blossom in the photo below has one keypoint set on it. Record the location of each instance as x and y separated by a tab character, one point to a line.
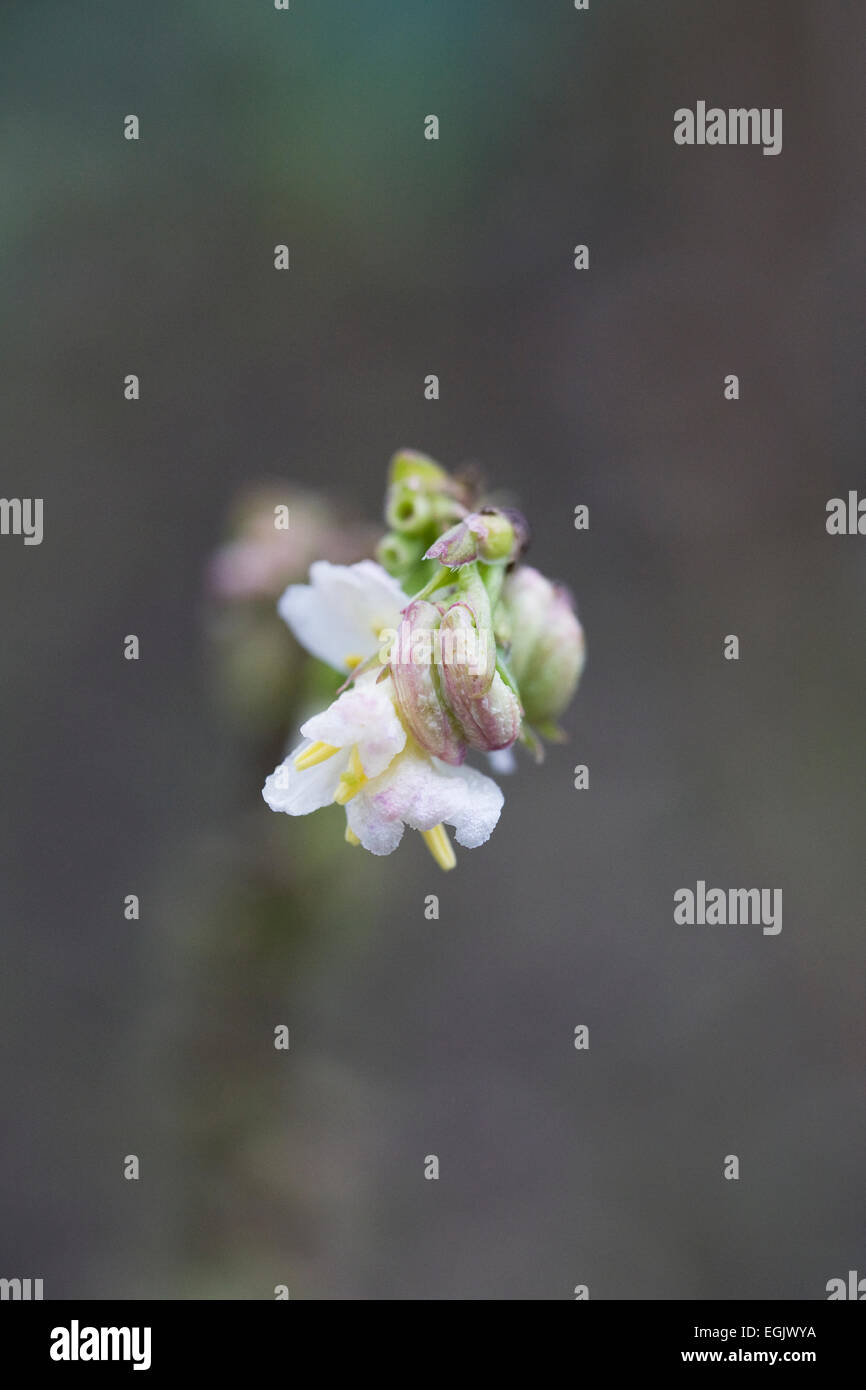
470	651
358	752
384	779
351	741
425	794
340	615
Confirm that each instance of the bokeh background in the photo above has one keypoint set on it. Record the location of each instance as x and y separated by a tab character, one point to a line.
412	1037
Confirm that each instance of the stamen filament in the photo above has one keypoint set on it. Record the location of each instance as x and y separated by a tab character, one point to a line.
440	846
352	779
351	837
316	753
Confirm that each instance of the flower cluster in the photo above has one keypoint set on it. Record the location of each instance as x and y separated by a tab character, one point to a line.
448	644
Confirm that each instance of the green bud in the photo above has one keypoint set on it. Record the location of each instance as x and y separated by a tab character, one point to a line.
491	535
397	554
418	470
547	646
500	540
407	508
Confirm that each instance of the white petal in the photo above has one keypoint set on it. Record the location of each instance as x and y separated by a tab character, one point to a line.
420	792
364	716
298	793
502	761
376	833
342	610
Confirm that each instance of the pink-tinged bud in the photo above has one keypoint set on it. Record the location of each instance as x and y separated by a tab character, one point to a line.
467	653
487	711
416	684
493	720
491	535
547	651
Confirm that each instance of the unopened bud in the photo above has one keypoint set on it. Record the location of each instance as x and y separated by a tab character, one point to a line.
487	711
397	554
547	647
491	721
492	535
468	654
419	471
407	508
416	685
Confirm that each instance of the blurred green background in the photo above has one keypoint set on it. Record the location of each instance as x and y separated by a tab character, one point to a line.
453	1037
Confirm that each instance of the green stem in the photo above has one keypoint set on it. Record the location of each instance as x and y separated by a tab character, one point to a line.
441	577
492	577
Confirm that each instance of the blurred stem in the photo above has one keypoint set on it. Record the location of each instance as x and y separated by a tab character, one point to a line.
492	577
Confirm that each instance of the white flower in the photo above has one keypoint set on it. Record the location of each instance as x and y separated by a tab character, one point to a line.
354	739
357	751
339	615
422	792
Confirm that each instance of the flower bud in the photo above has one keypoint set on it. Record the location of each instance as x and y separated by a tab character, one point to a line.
408	508
492	721
487	711
547	646
491	535
467	652
416	684
418	471
397	554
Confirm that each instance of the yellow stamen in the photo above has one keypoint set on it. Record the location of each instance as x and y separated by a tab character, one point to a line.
351	781
316	753
352	660
356	767
440	846
351	837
